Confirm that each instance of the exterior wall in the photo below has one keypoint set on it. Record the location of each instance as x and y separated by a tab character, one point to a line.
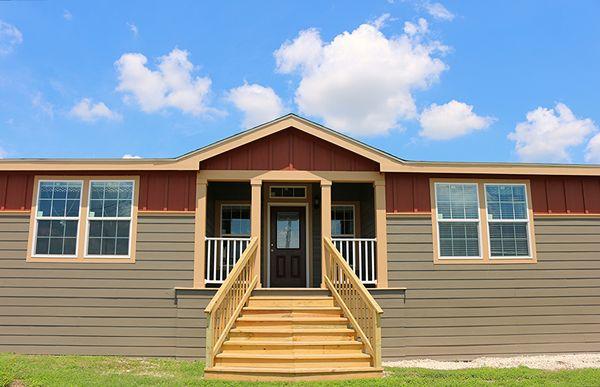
290	149
409	193
101	308
159	190
466	311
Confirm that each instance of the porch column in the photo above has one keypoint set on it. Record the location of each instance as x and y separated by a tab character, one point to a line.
381	233
325	222
255	217
200	233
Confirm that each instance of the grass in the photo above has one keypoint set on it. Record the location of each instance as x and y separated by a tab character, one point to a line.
30	370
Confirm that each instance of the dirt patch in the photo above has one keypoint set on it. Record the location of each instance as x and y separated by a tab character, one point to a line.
543	362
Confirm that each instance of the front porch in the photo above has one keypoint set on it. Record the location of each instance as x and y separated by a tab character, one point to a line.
290	214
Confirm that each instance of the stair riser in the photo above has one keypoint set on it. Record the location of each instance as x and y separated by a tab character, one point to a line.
291	348
312	364
292	336
291	324
294	313
291	377
290	302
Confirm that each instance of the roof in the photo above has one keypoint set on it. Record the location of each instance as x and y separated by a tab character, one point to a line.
387	161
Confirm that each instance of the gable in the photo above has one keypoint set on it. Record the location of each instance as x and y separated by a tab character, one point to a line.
290	149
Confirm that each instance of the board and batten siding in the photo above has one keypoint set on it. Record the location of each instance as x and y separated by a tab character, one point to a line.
466	311
102	308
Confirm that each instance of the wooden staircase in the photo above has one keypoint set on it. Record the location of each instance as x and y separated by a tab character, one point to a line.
292	334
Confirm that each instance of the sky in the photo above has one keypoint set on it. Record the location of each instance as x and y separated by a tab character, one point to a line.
423	80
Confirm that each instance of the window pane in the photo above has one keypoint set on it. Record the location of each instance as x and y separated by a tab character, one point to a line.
459	239
42	245
111	199
456	201
94	246
509	239
109	237
235	220
53	200
506	202
288	230
342	221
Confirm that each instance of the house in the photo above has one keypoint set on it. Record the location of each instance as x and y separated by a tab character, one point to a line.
290	251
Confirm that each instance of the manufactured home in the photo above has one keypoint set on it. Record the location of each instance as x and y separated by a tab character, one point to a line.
291	251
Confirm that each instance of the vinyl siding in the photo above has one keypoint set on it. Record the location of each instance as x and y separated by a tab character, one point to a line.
99	308
466	311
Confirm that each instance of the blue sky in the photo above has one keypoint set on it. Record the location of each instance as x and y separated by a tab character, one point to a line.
424	80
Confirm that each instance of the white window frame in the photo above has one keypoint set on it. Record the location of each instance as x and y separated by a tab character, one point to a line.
353	235
527	222
38	218
478	221
287	186
115	218
221	219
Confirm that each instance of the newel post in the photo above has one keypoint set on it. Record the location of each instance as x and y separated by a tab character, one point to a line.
325	225
255	218
209	340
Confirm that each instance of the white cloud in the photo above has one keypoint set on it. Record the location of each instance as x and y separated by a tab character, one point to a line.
362	81
438	11
412	29
258	103
451	120
10	36
86	110
38	102
547	134
67	15
170	86
133	28
130	156
592	154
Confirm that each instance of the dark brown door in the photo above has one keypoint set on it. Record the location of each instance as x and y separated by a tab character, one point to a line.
288	247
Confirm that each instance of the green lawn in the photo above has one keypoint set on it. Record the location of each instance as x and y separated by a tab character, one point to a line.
21	370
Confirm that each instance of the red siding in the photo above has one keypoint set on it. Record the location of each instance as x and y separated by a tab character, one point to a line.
407	192
16	191
290	149
550	194
559	194
159	191
168	191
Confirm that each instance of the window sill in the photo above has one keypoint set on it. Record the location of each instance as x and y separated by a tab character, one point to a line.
80	260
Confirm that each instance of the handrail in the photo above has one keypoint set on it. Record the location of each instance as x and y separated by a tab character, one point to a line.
226	305
355	300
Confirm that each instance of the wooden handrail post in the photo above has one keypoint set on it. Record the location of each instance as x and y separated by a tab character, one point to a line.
209	340
255	217
325	224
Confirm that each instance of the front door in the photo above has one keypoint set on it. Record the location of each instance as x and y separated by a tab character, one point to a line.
288	247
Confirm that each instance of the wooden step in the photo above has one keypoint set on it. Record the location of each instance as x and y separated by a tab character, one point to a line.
289	311
287	301
285	360
291	292
278	321
292	333
265	374
290	346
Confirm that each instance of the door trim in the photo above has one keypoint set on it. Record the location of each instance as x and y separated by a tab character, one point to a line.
308	237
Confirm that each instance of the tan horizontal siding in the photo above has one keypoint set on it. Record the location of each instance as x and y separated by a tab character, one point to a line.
101	308
466	311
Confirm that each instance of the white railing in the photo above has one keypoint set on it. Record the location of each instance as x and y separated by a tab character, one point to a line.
360	253
221	256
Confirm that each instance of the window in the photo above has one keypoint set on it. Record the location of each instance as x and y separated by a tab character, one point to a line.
458	220
497	231
235	220
83	219
288	192
57	218
342	221
109	218
508	220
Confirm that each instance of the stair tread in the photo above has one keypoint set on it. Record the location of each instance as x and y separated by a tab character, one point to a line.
293	343
253	370
303	297
293	356
291	318
294	307
290	330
